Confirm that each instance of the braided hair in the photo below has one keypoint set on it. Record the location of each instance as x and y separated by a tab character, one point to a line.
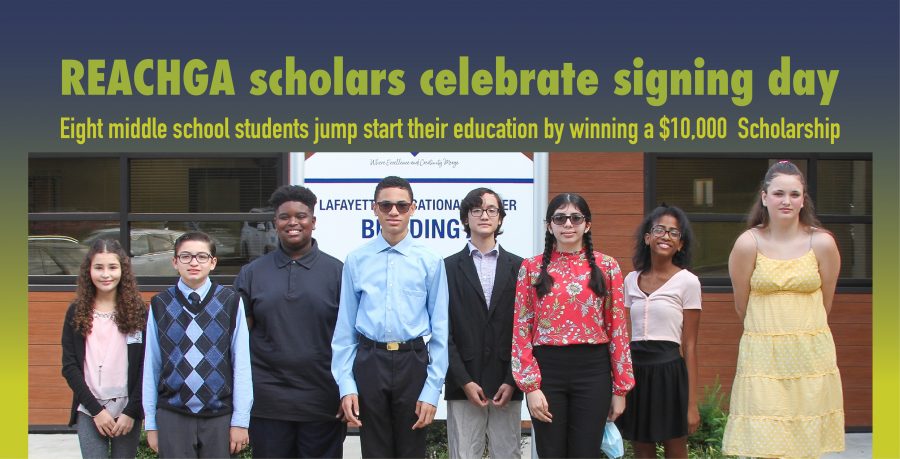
544	282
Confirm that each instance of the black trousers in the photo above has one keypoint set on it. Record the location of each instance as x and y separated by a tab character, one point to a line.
183	436
577	382
275	438
389	384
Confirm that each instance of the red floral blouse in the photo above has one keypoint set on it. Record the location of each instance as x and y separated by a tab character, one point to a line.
570	314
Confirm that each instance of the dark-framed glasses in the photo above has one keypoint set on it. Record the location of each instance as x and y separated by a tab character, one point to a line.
185	257
659	230
386	206
560	219
477	211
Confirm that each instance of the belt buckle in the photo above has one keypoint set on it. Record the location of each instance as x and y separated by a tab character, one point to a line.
392	346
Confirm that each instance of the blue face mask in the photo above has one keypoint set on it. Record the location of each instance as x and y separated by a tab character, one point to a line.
612	444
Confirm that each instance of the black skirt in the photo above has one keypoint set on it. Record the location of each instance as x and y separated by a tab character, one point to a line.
656	408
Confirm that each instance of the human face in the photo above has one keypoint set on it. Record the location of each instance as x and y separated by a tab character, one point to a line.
294	223
784	197
664	245
569	237
106	271
484	226
194	274
393	223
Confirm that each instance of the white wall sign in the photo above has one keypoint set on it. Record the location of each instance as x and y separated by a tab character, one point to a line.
345	185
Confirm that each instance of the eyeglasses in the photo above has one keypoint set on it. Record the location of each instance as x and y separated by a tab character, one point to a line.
560	219
386	206
477	211
659	230
185	257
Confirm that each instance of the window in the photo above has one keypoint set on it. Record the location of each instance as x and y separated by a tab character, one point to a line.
74	201
717	190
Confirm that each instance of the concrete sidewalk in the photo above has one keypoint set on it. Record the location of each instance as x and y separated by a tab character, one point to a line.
65	446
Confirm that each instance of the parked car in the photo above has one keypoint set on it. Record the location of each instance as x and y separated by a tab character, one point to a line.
258	237
54	255
152	250
226	235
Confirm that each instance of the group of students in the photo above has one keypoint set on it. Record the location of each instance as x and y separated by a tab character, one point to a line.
303	345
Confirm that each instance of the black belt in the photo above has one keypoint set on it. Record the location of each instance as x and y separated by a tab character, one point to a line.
410	345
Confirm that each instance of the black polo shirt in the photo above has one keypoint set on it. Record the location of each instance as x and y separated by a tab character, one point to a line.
293	305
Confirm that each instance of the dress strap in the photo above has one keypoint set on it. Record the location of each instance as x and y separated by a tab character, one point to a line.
753	233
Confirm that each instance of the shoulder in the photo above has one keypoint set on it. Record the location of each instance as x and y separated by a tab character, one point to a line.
512	257
824	245
822	239
223	290
355	255
688	280
533	262
606	261
329	260
160	296
746	243
256	264
426	253
688	277
632	276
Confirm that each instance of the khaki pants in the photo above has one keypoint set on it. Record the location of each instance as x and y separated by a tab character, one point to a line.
468	426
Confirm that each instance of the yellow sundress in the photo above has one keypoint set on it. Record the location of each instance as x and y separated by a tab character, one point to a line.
786	400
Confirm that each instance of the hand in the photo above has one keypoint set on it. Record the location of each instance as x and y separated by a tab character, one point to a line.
538	407
105	423
425	412
693	416
475	394
340	414
124	424
616	407
153	440
239	439
503	395
350	407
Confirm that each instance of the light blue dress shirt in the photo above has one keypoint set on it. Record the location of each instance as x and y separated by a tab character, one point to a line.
390	294
241	397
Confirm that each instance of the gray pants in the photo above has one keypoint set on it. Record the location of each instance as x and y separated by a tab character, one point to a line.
468	426
94	445
184	436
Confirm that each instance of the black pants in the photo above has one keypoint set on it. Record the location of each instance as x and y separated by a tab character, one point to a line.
389	384
578	385
275	438
184	436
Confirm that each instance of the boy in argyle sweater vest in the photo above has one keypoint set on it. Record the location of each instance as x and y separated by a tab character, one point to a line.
197	390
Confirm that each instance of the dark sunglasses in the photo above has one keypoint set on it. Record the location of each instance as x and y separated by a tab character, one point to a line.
386	206
560	219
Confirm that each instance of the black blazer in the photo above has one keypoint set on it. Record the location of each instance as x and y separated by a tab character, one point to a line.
73	370
480	336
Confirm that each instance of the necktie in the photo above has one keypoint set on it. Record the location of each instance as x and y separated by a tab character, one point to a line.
194	298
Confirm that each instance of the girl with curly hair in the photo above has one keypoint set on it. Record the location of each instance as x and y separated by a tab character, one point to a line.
570	351
664	299
103	353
